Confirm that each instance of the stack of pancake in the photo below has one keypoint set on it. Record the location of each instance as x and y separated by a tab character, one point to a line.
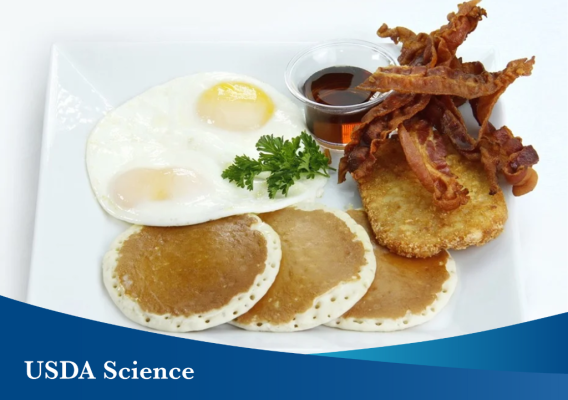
283	271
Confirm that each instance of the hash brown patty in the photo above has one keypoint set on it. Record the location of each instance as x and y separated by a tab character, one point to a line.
404	218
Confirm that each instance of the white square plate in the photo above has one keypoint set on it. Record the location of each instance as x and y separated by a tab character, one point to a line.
72	232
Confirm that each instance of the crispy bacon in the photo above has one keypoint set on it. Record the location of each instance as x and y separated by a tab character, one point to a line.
376	125
391	103
413	45
427	89
450	36
445	40
444	80
398	34
444	115
474	68
458	101
416	49
429	56
426	154
505	153
445	54
483	106
500	151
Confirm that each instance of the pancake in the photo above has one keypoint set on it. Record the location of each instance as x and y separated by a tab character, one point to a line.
327	266
404	218
405	292
191	278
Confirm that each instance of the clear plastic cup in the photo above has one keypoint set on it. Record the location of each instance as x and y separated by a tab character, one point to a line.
332	125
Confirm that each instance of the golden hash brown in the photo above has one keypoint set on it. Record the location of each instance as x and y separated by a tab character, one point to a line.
404	218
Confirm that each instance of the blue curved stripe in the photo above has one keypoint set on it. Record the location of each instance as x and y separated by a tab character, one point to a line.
30	333
536	346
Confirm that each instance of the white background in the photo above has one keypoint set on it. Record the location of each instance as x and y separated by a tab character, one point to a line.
535	107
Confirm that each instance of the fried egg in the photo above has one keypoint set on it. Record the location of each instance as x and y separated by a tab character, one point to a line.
157	159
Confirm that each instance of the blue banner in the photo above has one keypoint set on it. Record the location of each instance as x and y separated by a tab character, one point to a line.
104	360
537	346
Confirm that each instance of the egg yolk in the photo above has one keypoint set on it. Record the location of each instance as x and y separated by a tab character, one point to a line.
235	106
145	184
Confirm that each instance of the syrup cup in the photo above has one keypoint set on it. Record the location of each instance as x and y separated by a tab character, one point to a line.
325	121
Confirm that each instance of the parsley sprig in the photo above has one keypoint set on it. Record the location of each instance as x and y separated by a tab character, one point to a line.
286	160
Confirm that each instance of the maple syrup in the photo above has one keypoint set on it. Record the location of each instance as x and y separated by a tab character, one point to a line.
335	86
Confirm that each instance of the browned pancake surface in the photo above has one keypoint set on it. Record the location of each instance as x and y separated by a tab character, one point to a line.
401	284
191	269
318	253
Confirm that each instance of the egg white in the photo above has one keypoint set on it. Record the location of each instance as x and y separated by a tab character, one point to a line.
160	128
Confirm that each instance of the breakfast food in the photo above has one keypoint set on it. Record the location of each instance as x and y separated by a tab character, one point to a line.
404	219
444	81
158	158
194	157
337	87
427	88
327	266
191	278
405	292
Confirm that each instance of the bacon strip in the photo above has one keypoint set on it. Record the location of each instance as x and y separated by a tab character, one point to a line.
444	80
483	106
426	154
427	89
449	37
445	54
446	40
413	45
376	125
391	103
444	115
416	49
398	34
501	152
473	67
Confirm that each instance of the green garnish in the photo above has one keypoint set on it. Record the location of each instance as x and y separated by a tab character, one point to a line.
286	160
